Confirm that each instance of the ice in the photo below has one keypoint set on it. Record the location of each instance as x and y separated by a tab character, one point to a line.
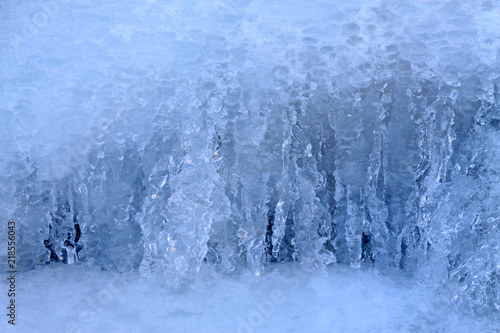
170	138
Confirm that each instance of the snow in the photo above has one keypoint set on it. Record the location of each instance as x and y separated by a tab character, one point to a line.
58	298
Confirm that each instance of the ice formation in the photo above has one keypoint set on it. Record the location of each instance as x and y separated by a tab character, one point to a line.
170	136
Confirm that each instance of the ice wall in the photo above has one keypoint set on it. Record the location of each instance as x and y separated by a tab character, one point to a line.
168	136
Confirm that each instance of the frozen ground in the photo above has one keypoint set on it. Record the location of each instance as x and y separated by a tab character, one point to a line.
77	298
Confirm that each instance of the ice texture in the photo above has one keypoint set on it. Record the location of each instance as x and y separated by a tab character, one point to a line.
167	136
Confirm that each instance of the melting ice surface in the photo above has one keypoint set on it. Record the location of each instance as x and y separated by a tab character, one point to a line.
173	139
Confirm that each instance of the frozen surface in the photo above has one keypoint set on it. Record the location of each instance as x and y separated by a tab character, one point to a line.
161	137
288	299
